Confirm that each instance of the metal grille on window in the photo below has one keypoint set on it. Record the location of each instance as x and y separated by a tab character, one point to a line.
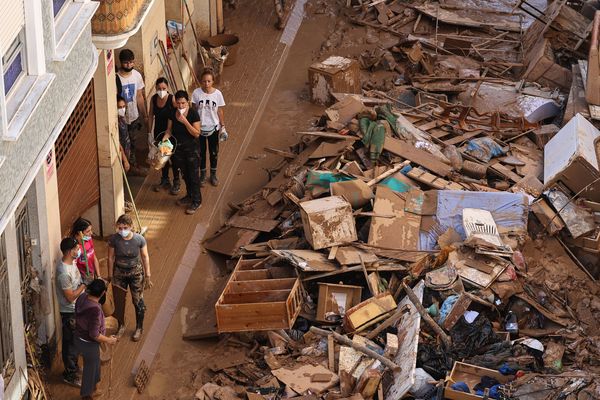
25	261
12	63
73	125
6	337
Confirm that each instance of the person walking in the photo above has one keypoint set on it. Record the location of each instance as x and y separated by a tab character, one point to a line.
129	268
124	141
209	103
132	85
68	288
162	106
90	332
87	263
184	126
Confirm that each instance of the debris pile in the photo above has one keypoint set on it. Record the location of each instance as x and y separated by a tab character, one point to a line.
436	239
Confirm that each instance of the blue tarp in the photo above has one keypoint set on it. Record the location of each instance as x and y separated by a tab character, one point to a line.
510	211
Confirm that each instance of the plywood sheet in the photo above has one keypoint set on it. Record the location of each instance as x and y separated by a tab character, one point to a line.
399	233
466	17
408	151
408	337
307	260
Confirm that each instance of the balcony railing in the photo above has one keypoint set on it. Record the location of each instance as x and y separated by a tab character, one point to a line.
115	17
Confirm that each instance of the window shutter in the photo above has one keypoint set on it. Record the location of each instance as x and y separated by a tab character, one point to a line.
13	19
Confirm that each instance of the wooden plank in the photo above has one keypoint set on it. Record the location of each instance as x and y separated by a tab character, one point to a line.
505	172
329	135
255	224
433	181
259	285
251	275
331	353
251	317
264	296
463	137
418	156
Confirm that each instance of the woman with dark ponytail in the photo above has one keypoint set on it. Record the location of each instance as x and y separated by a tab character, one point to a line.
87	263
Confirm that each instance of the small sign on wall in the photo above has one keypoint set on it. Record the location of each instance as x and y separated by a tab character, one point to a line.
110	62
49	165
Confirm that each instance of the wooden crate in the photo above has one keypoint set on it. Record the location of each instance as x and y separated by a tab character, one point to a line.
471	375
351	295
333	75
255	301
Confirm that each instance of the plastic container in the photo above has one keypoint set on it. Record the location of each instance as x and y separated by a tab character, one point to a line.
227	40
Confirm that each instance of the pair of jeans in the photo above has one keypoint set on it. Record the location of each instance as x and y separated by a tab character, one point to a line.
69	353
165	172
187	160
213	150
90	351
132	279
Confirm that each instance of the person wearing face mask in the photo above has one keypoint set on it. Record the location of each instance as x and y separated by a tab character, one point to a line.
68	289
162	105
132	85
124	142
129	268
90	332
209	102
87	263
184	126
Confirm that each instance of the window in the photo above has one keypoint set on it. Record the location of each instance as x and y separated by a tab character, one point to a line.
57	5
6	336
13	63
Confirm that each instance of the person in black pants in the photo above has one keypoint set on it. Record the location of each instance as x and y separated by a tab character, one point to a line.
162	105
184	126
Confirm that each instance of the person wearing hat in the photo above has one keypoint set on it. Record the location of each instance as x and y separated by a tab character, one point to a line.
68	289
90	332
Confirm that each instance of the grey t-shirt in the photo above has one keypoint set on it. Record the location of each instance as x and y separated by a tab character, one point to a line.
127	252
67	277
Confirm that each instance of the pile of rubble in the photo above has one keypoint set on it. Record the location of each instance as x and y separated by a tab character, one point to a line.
439	239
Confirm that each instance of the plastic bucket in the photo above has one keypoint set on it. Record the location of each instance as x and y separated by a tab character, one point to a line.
227	40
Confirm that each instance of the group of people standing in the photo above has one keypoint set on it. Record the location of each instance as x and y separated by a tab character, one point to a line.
193	126
81	293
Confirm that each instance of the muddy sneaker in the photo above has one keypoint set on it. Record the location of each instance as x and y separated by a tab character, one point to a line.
175	188
121	331
137	335
192	208
184	201
213	180
74	381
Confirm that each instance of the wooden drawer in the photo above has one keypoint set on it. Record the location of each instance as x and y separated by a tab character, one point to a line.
255	301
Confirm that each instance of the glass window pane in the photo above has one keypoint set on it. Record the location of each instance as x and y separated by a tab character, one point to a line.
57	5
12	72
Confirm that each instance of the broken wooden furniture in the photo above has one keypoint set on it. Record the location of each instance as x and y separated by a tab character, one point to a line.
328	222
333	75
471	375
336	299
255	301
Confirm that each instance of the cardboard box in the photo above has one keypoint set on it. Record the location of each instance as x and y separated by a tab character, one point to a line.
328	222
333	75
471	375
346	297
570	157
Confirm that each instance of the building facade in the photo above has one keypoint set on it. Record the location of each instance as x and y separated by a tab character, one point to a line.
58	126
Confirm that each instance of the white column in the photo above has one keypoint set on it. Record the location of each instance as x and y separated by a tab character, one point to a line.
112	200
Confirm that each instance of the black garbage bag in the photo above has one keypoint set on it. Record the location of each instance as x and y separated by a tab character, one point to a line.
469	339
434	360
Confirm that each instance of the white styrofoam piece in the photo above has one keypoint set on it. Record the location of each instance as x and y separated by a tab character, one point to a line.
574	140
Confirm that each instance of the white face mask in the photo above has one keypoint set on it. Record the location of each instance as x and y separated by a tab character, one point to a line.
125	232
121	112
182	110
162	93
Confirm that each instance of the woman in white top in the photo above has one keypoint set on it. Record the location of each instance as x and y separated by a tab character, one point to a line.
209	103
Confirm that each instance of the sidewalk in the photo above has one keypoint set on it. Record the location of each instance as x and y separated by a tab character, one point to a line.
244	85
